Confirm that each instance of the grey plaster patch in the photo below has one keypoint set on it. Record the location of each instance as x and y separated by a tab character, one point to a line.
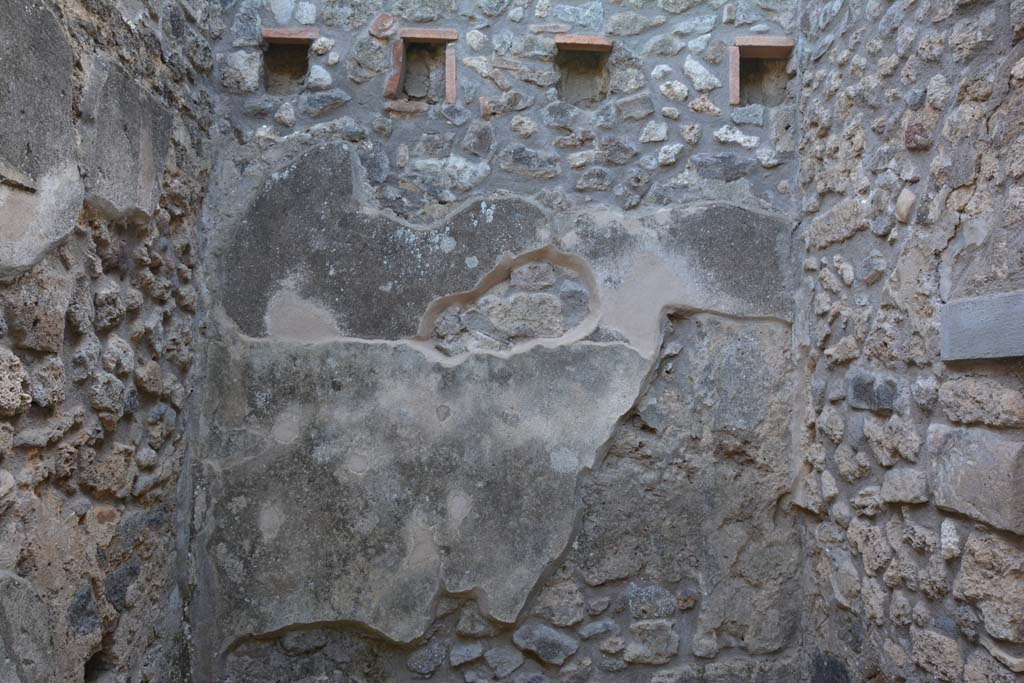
375	275
706	257
125	142
38	142
406	477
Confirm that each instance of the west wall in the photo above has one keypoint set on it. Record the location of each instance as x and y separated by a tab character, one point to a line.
103	163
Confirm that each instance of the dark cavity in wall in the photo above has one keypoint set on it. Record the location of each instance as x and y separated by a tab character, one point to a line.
285	67
763	81
424	72
584	80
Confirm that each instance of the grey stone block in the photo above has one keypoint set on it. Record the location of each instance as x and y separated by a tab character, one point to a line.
983	327
41	192
125	141
978	473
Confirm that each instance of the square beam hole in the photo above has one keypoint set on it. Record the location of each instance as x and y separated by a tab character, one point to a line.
285	66
763	81
424	72
584	77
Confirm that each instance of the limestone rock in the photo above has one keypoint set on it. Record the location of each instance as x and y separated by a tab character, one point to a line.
974	400
526	162
465	653
839	224
975	472
937	654
240	71
549	645
905	485
992	578
36	308
654	642
631	23
503	660
703	79
15	396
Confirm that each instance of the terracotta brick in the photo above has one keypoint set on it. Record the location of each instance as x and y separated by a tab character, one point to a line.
451	83
428	35
382	26
734	75
393	86
583	43
764	47
289	36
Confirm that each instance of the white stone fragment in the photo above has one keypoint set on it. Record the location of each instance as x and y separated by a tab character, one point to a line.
729	134
703	80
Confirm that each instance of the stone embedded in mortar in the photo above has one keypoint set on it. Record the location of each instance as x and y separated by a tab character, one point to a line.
976	472
871	391
548	644
703	79
14	385
503	660
653	642
529	163
978	400
991	578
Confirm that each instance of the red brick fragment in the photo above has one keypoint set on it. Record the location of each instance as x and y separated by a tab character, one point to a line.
583	43
734	75
289	36
393	86
428	35
382	26
764	47
450	81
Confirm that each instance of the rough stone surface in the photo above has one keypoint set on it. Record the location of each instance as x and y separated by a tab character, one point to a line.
977	473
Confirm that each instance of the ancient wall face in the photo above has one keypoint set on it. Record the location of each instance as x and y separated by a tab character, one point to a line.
646	125
498	388
103	158
911	191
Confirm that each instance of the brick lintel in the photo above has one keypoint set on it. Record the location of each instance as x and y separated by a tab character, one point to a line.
428	35
583	43
289	36
764	47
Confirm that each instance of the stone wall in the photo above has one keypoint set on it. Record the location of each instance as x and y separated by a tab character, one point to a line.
103	163
663	132
911	183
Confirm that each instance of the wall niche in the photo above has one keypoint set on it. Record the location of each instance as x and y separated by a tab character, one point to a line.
286	59
582	63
